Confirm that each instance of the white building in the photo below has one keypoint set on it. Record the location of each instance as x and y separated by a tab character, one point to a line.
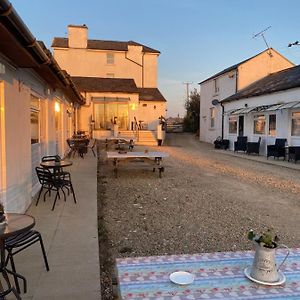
230	81
118	80
37	104
268	108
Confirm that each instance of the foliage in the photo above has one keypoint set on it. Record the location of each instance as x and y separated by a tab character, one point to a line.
192	117
266	239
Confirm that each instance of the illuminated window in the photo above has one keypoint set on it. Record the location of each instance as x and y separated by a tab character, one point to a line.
296	124
212	117
35	119
272	125
259	124
110	58
233	124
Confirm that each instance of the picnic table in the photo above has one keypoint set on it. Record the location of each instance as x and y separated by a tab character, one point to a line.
218	275
154	158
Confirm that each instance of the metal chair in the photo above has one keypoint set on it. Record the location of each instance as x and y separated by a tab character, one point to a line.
91	145
50	182
18	243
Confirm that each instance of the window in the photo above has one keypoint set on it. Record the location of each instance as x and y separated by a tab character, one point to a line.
35	119
272	125
232	125
144	105
259	124
212	117
110	75
296	124
108	109
216	87
110	58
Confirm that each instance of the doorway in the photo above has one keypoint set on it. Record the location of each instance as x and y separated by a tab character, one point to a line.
241	125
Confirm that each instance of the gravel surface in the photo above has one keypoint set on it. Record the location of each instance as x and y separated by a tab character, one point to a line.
206	201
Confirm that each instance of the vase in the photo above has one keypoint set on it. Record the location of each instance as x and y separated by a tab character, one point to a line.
264	266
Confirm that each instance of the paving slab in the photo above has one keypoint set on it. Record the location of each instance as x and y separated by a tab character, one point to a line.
70	235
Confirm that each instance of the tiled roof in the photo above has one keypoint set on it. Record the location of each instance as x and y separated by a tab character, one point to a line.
150	94
96	84
234	67
103	45
276	82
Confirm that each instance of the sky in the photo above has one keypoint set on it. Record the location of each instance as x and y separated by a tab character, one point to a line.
196	38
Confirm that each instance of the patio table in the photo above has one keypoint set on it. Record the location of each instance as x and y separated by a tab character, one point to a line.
15	224
153	158
218	275
56	165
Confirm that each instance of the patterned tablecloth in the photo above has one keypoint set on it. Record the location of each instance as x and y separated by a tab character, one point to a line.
217	276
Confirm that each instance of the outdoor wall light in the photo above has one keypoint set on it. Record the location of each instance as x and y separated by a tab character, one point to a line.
57	107
133	106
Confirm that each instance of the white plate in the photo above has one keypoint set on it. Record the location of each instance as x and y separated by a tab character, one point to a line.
182	277
281	279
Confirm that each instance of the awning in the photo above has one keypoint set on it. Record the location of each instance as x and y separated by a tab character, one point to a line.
264	108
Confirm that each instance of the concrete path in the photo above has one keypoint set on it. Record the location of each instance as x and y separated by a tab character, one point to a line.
70	234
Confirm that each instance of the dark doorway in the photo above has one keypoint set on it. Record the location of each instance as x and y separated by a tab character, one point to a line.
241	125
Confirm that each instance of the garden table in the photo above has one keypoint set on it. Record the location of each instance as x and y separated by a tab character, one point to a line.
153	158
56	165
218	275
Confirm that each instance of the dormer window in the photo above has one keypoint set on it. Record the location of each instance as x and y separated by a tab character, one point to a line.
110	58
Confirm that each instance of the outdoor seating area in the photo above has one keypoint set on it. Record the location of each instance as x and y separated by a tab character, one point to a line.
80	143
279	149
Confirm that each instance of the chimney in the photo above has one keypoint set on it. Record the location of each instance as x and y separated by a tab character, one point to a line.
78	36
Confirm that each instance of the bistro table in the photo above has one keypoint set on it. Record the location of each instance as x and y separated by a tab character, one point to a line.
218	275
56	165
15	224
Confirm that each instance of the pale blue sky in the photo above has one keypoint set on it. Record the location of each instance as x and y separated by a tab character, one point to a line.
197	38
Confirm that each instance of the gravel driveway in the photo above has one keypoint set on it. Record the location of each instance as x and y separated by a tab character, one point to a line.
206	201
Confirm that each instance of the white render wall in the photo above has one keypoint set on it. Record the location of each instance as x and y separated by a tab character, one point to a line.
283	118
18	157
227	87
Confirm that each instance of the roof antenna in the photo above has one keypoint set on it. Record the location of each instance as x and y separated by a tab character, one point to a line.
262	34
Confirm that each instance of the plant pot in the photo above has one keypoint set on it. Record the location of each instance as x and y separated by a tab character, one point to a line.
264	267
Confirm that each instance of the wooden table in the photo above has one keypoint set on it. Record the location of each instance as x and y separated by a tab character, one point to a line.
15	224
218	275
152	157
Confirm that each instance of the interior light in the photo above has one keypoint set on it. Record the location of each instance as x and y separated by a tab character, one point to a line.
133	106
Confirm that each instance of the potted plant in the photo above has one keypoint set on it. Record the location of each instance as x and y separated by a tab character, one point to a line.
264	269
266	239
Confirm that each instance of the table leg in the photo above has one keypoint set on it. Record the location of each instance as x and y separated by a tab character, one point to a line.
115	167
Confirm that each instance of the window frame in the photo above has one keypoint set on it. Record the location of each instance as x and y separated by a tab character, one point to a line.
35	110
236	124
212	114
295	118
110	58
255	119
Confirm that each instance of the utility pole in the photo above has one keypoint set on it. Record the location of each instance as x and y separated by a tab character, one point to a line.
187	89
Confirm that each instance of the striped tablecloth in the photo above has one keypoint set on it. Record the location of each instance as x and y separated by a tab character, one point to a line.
217	276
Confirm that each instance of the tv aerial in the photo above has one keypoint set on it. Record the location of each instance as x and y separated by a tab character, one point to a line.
262	34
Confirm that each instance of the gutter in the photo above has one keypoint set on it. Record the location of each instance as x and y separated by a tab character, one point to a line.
25	37
37	50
